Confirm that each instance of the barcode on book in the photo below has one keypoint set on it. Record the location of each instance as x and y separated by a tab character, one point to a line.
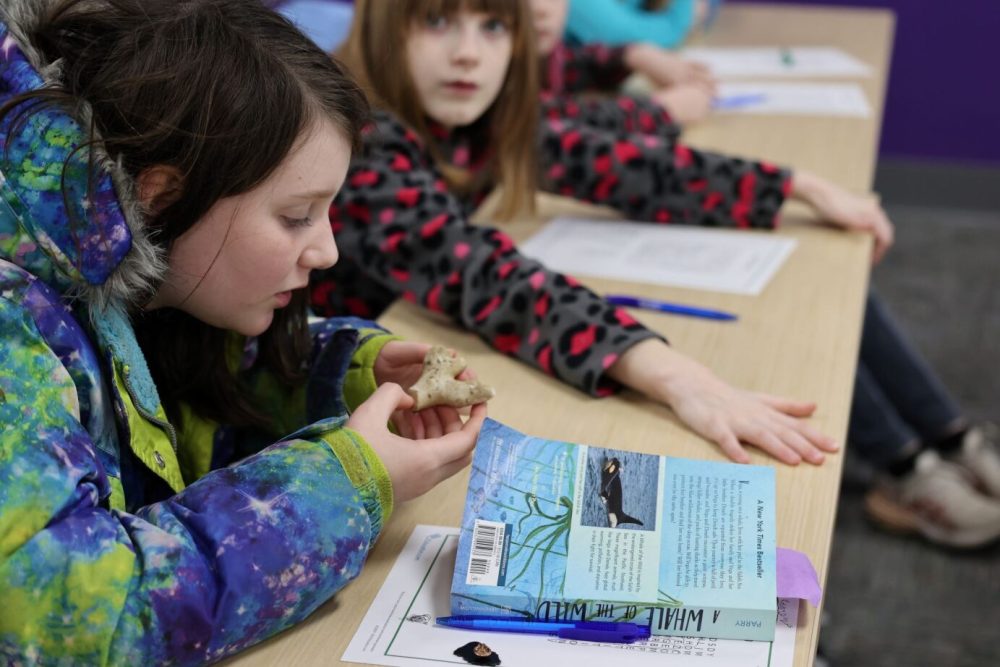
487	555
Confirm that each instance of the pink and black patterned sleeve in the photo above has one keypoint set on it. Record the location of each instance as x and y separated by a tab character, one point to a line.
651	178
401	233
623	114
593	67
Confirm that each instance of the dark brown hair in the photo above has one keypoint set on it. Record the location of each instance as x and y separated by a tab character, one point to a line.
376	53
220	90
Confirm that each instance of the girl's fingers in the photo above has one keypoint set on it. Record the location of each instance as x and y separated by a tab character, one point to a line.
416	426
453	447
787	405
432	423
411	353
814	436
878	252
386	399
885	236
450	419
764	438
401	421
801	445
730	445
477	415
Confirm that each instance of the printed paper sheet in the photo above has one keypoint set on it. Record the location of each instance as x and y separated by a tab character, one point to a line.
738	262
727	63
802	99
399	627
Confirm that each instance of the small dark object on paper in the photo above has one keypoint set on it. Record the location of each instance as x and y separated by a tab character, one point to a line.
477	653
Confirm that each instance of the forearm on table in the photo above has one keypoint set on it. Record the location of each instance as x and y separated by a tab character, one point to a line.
650	367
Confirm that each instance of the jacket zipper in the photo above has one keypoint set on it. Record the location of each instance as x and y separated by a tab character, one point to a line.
166	426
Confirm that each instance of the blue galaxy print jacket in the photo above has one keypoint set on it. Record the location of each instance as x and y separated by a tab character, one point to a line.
123	539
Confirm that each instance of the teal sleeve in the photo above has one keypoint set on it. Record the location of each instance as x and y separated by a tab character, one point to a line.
617	23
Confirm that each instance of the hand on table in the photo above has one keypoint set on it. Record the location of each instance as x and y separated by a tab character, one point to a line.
665	68
687	103
846	210
729	417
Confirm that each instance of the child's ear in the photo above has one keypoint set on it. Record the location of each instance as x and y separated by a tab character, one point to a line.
159	187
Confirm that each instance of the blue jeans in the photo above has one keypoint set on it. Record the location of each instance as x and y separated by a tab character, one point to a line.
898	400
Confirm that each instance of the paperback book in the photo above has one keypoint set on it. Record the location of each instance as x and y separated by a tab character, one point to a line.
560	531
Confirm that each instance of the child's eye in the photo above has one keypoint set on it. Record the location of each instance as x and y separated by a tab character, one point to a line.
495	26
435	22
304	221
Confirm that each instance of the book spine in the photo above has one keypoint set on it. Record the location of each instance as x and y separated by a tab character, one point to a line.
708	622
713	622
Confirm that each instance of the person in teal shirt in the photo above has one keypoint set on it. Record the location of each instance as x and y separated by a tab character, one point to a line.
619	22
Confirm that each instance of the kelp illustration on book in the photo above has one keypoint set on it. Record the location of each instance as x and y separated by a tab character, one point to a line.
556	530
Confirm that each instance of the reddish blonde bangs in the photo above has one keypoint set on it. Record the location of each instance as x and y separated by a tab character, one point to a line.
504	9
375	51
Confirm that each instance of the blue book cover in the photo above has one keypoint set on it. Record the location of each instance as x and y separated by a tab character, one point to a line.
556	530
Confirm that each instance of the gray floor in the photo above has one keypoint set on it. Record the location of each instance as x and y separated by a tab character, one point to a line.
896	601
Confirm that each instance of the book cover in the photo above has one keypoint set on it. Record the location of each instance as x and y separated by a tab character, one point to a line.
556	530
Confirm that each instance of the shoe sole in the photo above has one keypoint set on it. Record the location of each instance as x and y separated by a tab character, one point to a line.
898	519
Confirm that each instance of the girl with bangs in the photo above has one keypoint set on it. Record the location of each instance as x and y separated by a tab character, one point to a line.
187	464
455	85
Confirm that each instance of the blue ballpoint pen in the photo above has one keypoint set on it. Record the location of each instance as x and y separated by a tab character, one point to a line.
665	307
738	101
592	631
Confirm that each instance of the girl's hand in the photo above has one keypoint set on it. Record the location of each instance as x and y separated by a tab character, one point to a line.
402	362
845	209
721	413
664	68
687	103
416	464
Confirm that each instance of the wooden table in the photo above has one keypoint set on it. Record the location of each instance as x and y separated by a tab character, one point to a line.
799	338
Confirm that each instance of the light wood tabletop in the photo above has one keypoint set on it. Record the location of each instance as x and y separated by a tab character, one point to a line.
798	338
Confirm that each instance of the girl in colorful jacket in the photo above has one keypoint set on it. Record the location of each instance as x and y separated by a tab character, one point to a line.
165	173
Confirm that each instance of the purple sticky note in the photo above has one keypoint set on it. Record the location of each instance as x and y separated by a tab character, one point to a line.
797	577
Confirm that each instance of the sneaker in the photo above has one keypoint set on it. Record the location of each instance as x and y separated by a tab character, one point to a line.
938	501
980	456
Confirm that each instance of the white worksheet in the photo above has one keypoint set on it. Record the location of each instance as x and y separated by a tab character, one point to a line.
399	627
799	61
804	99
734	261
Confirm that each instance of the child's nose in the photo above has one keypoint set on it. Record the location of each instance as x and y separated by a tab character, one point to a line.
467	48
322	252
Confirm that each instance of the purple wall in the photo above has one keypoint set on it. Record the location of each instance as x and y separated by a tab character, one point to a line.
943	98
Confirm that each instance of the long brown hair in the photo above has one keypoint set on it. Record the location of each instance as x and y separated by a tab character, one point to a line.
375	51
220	90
